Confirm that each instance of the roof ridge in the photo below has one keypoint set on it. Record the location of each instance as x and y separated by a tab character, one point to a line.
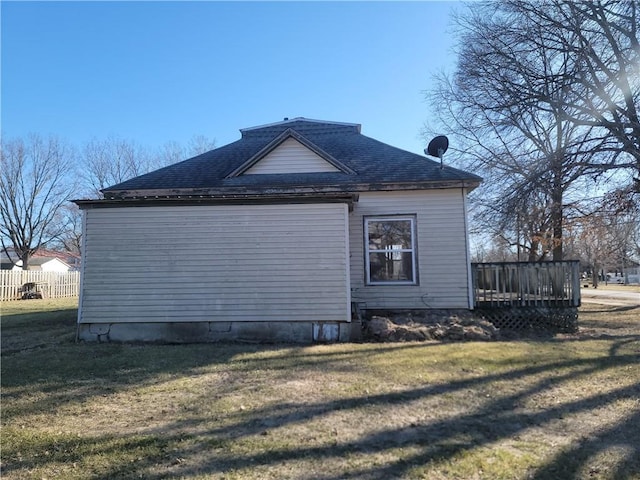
317	125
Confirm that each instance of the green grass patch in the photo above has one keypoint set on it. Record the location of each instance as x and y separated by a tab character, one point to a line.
563	407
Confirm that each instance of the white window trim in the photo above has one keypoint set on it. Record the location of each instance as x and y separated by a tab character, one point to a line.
413	251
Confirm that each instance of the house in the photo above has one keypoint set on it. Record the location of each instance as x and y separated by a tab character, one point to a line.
9	262
44	261
274	237
71	259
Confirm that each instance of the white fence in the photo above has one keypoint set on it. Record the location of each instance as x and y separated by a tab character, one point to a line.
46	284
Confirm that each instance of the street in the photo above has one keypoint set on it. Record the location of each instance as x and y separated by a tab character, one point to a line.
610	297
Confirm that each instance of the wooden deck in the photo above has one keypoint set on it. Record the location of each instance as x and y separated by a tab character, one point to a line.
527	295
525	284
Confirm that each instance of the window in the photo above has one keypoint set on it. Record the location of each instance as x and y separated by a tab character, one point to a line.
390	250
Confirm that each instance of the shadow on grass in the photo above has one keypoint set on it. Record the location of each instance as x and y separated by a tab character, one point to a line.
497	419
25	331
192	447
568	462
440	440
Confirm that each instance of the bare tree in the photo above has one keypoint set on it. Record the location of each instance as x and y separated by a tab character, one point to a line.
200	144
34	185
169	153
69	219
600	39
512	105
173	152
112	161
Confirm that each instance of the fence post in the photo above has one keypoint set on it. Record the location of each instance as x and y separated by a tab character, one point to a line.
575	276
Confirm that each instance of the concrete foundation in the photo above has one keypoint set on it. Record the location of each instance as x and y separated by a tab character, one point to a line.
204	332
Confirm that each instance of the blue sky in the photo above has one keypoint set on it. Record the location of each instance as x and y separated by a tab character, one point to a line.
155	72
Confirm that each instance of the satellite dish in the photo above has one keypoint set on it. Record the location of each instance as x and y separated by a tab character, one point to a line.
437	146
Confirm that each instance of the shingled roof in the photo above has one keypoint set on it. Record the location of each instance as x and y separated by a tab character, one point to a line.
361	164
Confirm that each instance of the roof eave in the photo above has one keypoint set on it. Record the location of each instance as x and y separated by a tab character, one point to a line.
469	184
243	199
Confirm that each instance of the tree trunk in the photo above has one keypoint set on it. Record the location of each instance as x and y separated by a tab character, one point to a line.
556	201
25	261
556	220
533	251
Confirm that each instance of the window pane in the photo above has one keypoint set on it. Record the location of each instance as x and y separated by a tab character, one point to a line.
387	234
391	266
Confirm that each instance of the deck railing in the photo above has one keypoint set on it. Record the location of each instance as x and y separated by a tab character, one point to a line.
526	284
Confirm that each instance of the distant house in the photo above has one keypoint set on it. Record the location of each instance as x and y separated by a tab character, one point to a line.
275	237
71	259
45	261
6	263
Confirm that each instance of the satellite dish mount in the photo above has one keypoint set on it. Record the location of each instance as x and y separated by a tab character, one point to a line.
437	147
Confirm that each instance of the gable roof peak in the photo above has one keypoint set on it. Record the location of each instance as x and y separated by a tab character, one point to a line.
290	133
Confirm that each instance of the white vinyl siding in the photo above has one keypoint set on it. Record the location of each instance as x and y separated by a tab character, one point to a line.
216	263
291	157
442	269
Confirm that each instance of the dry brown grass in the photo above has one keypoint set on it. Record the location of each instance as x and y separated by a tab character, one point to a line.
564	407
618	287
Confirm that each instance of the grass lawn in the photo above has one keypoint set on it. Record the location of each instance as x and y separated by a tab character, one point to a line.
563	407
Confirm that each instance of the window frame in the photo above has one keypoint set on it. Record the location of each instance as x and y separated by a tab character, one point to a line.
414	250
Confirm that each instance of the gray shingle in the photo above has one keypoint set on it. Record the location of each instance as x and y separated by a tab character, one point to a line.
376	166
